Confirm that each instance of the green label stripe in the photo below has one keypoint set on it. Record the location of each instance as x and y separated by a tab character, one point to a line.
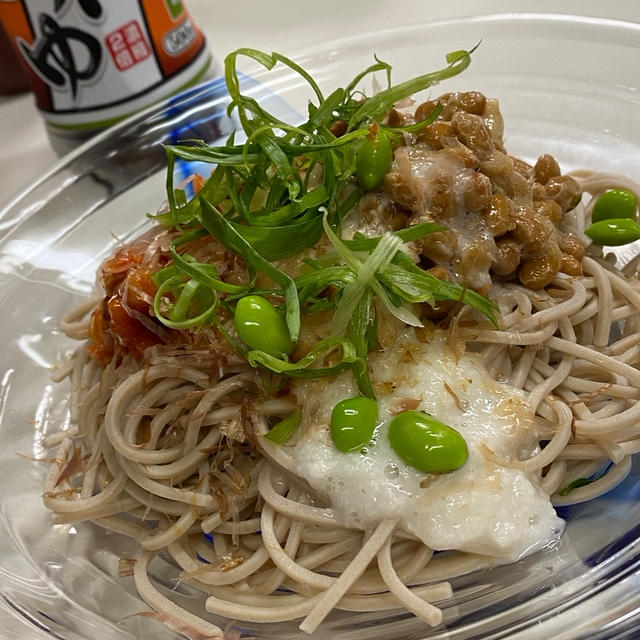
175	8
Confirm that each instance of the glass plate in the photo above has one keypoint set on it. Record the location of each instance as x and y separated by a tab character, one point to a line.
568	86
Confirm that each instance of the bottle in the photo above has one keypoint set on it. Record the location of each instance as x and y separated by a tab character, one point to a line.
12	78
92	63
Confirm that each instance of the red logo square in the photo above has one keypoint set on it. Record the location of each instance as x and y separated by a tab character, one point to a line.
127	45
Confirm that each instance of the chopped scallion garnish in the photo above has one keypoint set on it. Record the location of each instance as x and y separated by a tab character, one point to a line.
576	484
274	197
284	429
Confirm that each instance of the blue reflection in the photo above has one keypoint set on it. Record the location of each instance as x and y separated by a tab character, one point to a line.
213	124
621	506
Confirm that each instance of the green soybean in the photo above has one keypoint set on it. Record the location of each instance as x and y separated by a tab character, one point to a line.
352	423
373	159
259	324
614	231
426	443
616	203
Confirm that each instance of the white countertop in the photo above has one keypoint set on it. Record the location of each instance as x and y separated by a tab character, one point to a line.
282	25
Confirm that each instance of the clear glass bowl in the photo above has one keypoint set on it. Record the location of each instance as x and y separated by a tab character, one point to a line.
567	86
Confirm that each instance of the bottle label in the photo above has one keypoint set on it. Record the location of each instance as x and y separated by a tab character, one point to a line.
92	62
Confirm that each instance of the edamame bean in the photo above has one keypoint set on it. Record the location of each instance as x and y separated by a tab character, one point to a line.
426	443
614	231
261	327
373	159
616	203
352	423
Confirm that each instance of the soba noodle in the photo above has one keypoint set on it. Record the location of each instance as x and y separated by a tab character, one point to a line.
167	449
276	556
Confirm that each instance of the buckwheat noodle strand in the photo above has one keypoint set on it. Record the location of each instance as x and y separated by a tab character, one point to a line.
160	463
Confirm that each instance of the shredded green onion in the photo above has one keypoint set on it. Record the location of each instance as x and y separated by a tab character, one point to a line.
192	305
353	292
284	429
301	369
273	197
223	230
580	482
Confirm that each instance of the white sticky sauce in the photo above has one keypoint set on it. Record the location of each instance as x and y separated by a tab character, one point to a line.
482	507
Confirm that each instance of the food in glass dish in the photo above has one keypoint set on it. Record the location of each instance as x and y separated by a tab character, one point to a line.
369	355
